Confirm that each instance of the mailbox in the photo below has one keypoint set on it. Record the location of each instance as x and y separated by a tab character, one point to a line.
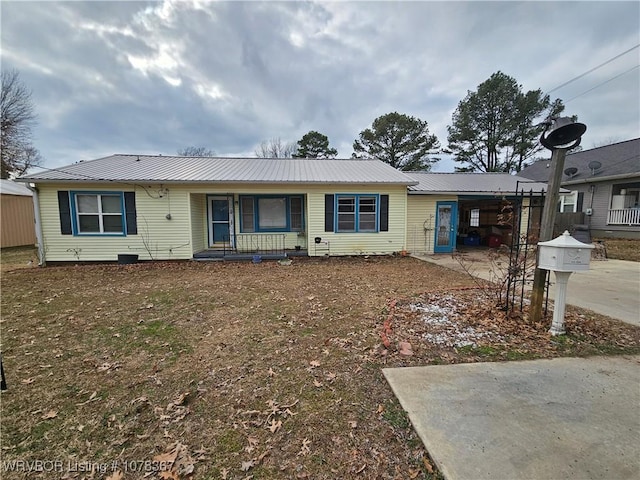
564	254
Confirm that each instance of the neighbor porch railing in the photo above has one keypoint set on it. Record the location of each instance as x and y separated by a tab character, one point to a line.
624	216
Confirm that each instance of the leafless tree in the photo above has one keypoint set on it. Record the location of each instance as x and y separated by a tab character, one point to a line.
17	117
196	152
275	148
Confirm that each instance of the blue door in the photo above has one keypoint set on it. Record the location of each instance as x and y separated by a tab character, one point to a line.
446	225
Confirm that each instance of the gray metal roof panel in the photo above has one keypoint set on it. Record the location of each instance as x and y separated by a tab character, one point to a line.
616	159
9	187
160	168
472	183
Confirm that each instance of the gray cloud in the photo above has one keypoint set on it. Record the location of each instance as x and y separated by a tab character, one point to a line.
154	77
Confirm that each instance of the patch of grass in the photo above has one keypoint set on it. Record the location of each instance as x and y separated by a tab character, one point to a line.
12	258
281	366
621	248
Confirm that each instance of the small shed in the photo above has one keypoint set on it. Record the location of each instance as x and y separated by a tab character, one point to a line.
17	221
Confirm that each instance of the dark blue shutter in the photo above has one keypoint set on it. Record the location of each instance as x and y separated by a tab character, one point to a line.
130	213
384	213
580	201
328	213
64	207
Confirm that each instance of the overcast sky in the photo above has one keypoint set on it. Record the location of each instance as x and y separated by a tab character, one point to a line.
154	77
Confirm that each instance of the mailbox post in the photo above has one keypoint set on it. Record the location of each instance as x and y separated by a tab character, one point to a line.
563	255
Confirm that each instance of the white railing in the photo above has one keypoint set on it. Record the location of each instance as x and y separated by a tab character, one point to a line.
624	216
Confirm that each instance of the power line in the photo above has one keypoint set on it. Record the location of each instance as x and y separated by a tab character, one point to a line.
593	69
600	84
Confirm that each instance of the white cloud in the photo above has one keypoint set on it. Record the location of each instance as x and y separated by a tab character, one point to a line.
156	77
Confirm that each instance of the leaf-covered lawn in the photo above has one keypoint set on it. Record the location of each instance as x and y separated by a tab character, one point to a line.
232	370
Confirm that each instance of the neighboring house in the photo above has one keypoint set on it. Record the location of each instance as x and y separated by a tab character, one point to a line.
165	207
445	210
17	225
605	188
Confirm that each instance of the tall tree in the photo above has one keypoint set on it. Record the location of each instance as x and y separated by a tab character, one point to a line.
497	127
314	145
196	152
17	117
275	148
402	141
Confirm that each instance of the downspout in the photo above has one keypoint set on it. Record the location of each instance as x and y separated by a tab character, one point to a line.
39	237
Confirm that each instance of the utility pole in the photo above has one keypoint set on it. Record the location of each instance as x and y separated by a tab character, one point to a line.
564	131
546	230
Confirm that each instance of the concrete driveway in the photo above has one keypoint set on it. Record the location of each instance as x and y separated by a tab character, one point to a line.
610	287
565	418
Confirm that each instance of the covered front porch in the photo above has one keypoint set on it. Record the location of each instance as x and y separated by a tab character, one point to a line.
251	247
245	225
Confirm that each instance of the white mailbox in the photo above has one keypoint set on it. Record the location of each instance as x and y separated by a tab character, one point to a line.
564	254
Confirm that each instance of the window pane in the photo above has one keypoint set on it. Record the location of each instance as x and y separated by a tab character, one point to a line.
346	222
367	222
89	223
367	205
247	214
272	213
112	223
346	204
475	218
295	205
87	203
111	204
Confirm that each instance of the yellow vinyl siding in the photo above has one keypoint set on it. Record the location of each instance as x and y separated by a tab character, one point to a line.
158	237
421	221
186	232
198	204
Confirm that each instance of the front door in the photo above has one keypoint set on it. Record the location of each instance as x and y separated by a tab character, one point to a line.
446	222
220	221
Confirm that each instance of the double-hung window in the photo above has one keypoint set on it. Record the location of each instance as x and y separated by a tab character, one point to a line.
98	213
271	213
357	213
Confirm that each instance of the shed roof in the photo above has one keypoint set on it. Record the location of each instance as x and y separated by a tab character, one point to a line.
472	183
173	169
9	187
616	160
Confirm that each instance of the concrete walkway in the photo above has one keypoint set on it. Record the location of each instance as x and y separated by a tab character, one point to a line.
610	287
566	418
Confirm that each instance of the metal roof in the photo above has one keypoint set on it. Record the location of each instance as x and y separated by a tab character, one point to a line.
171	169
472	183
616	160
9	187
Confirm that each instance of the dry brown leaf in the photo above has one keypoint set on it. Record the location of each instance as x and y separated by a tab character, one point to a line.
317	384
27	381
246	466
427	465
361	469
305	450
380	409
353	424
50	414
413	473
314	363
275	425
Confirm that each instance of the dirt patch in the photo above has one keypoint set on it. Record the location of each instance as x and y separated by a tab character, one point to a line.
621	248
240	370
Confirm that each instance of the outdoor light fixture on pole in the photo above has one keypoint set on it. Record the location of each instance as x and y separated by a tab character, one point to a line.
564	135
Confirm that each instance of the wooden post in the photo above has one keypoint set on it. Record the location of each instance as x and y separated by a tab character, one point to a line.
546	229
